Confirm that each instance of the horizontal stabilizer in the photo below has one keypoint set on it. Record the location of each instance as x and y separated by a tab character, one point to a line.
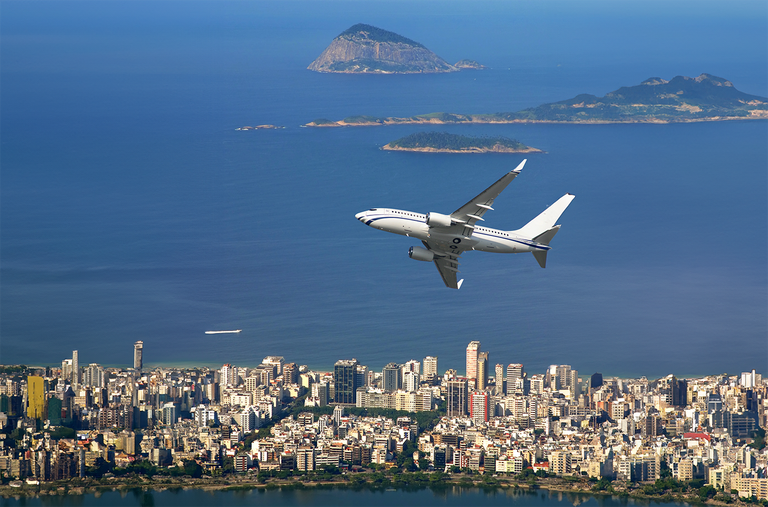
545	237
541	257
547	219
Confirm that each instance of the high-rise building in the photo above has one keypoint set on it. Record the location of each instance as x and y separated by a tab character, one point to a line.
499	390
412	365
277	362
411	381
573	383
168	414
138	355
537	384
714	403
290	373
514	372
75	368
345	380
748	379
321	391
563	374
482	370
473	351
362	375
229	376
94	375
479	407
430	366
390	378
35	397
338	413
680	393
457	398
66	370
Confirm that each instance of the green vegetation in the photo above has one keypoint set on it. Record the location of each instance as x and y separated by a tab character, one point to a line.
376	35
443	141
13	368
758	437
362	119
59	432
322	122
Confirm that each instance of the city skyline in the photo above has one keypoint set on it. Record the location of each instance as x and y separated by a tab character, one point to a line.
556	421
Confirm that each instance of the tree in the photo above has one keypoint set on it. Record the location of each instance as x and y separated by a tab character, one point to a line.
193	468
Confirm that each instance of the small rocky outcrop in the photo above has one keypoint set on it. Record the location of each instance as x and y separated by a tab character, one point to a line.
469	64
369	50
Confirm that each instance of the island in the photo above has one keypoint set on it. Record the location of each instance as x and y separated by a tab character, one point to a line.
260	127
655	100
366	49
469	64
443	142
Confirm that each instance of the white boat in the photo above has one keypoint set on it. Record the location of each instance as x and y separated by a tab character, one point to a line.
234	331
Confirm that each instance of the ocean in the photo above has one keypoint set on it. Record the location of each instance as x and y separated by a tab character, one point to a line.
131	208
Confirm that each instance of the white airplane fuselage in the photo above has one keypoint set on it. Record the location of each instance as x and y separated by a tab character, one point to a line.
447	237
484	239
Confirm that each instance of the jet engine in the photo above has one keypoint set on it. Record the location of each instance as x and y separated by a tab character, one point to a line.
438	220
420	254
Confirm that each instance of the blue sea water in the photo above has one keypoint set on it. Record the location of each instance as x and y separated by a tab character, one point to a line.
131	208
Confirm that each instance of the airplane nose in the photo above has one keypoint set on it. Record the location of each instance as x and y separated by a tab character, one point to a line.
360	216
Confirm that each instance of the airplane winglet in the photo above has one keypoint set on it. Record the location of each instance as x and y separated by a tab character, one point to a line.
459	284
520	166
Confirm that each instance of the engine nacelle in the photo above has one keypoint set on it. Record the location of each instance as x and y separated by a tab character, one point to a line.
420	254
438	220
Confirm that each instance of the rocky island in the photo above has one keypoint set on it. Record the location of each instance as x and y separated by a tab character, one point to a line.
365	49
443	142
655	100
469	64
260	127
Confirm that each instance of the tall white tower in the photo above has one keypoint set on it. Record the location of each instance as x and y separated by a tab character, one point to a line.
430	366
473	351
75	368
138	355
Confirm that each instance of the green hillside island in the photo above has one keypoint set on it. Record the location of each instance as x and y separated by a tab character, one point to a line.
442	142
682	99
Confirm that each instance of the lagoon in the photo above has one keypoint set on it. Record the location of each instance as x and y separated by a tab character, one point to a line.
454	496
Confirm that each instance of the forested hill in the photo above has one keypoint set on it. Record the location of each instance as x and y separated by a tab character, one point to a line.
655	99
453	143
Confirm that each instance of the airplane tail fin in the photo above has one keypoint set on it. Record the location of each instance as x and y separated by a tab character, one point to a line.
543	226
545	237
541	257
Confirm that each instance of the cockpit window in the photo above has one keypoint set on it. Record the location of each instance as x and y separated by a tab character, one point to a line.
373	209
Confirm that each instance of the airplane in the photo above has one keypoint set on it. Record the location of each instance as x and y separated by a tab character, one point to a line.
446	237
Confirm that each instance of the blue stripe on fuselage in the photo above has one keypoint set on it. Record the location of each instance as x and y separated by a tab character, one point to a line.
396	218
542	247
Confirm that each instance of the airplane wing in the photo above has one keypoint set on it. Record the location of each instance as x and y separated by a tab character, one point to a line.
474	210
447	262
